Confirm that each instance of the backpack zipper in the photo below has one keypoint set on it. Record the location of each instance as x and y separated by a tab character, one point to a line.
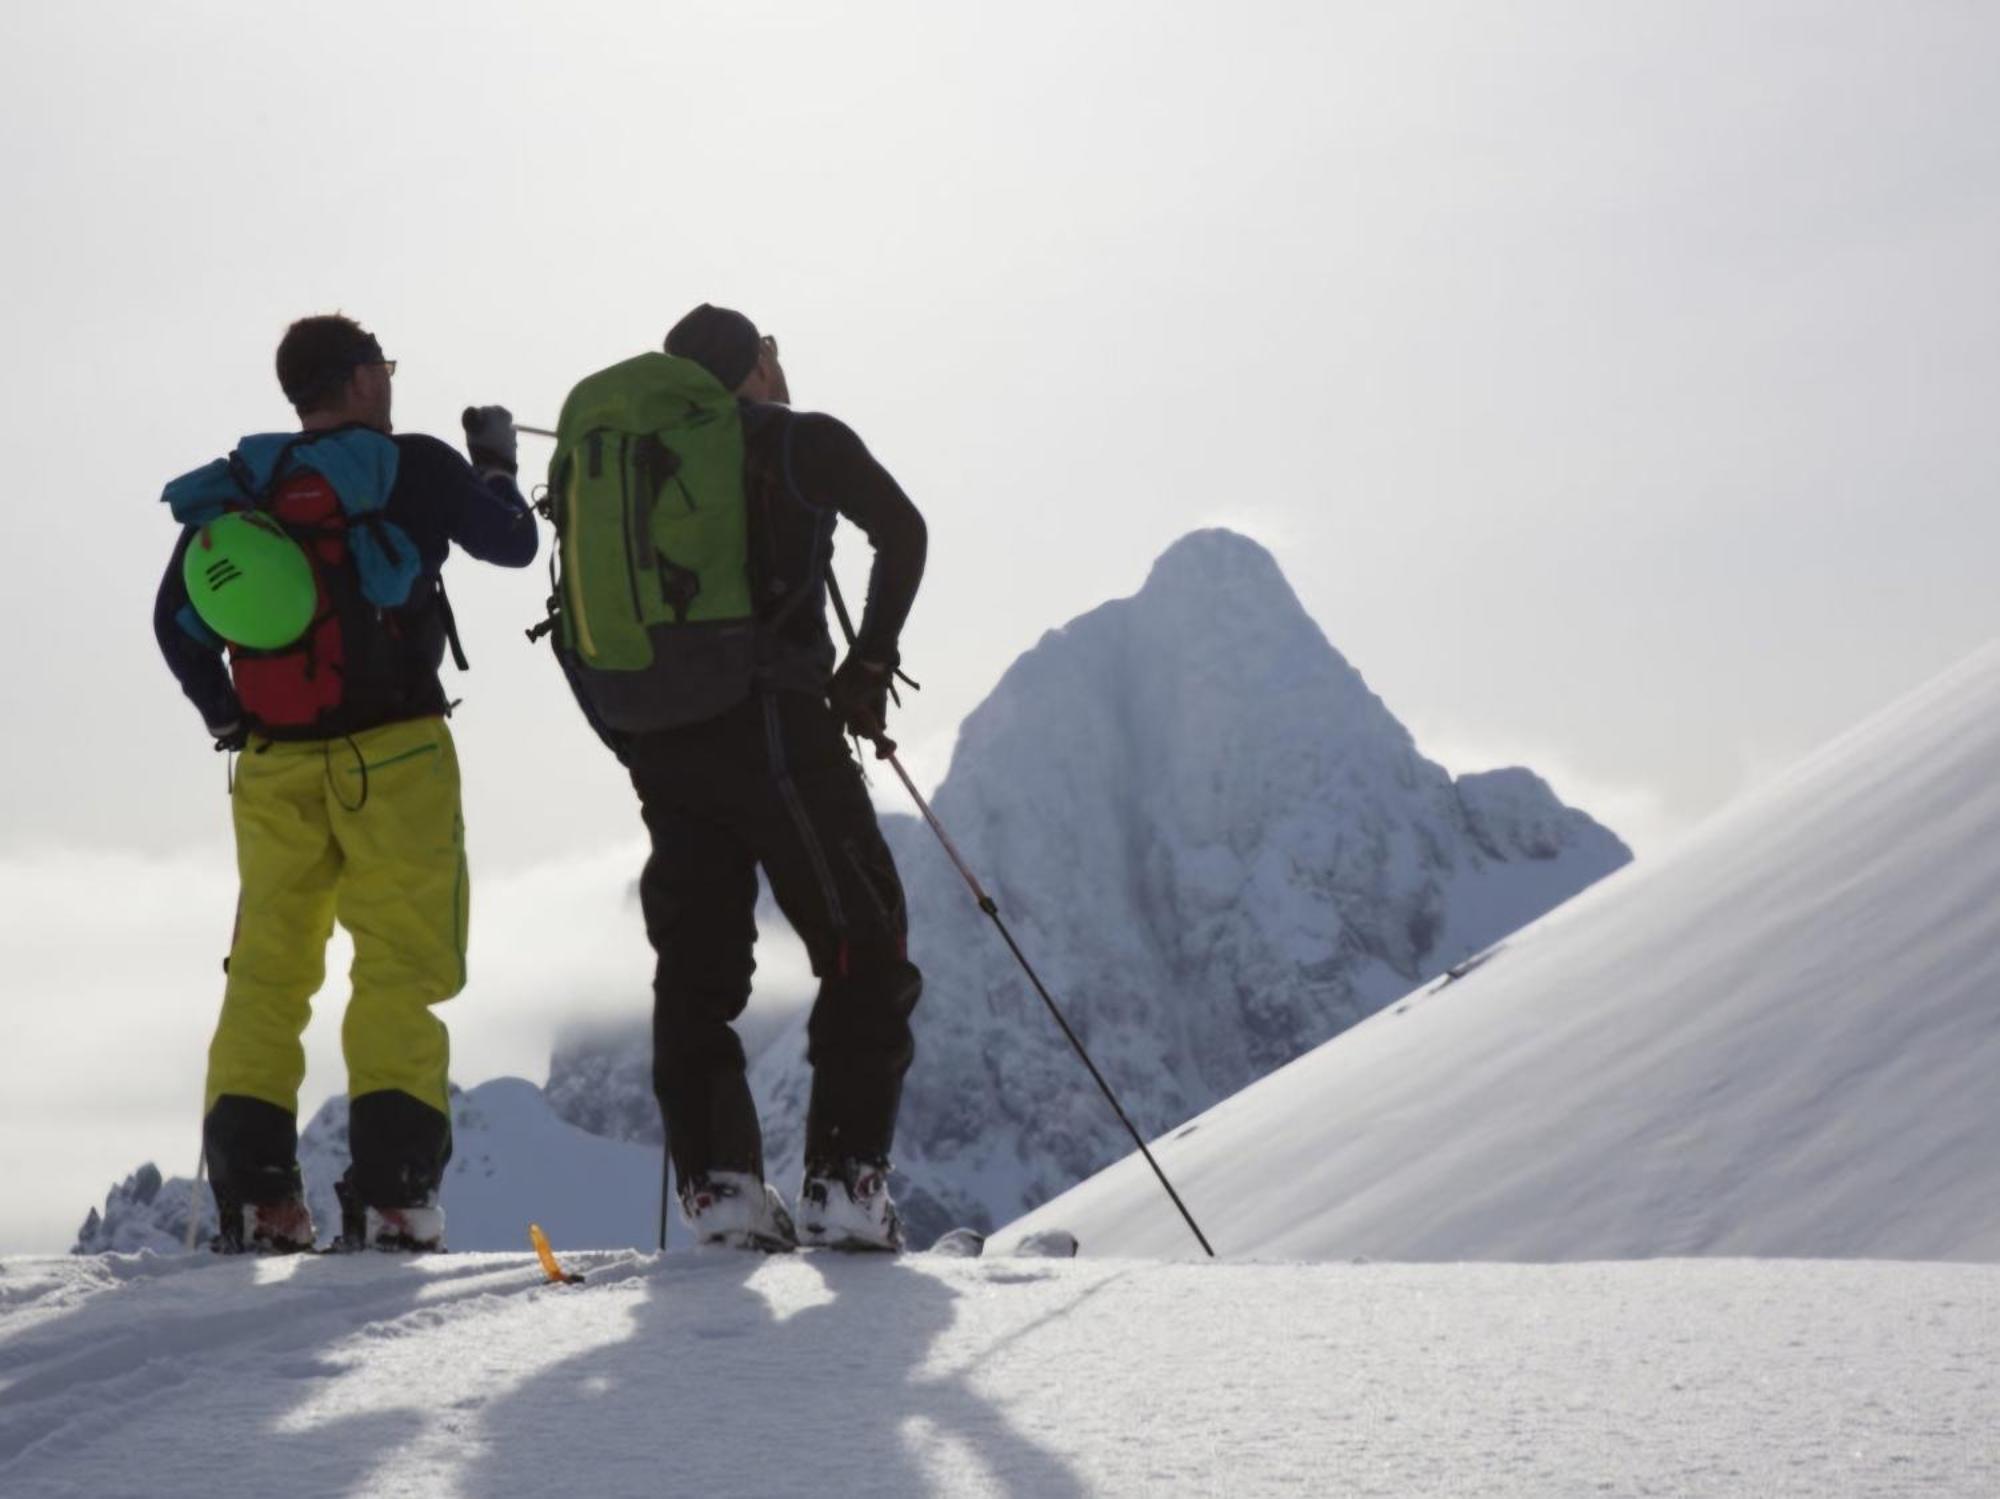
572	565
625	523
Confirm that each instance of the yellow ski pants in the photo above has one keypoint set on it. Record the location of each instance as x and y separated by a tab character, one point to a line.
367	830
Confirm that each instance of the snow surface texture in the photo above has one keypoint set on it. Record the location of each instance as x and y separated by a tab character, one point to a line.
725	1374
1783	1039
1217	847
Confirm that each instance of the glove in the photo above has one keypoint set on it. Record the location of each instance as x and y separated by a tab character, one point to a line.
859	697
489	439
230	737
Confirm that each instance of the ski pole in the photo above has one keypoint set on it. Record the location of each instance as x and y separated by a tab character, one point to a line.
886	749
667	1164
194	1199
534	431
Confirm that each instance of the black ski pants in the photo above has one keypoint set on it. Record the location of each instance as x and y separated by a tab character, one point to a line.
772	783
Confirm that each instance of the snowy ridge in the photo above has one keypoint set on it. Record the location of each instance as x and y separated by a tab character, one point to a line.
1219	848
1782	1039
729	1374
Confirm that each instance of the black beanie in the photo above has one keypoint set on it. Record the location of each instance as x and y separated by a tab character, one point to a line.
722	342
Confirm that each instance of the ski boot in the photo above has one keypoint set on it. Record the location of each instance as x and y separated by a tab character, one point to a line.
418	1229
281	1227
737	1211
847	1206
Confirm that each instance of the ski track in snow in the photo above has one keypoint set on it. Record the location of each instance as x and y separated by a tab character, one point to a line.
721	1374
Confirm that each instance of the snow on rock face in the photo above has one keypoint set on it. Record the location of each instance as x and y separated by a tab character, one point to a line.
1512	814
1217	846
146	1211
1780	1040
602	1082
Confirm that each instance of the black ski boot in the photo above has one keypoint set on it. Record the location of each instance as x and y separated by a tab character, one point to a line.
281	1227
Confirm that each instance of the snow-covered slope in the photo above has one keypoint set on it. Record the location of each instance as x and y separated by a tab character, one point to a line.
513	1162
1218	847
1782	1039
467	1377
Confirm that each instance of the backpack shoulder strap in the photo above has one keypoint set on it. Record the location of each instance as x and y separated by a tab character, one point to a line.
450	621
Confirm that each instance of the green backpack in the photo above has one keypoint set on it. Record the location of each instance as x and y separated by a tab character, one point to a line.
652	609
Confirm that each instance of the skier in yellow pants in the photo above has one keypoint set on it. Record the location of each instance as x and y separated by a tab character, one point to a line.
366	830
313	558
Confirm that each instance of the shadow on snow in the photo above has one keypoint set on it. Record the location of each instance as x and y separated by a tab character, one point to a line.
714	1391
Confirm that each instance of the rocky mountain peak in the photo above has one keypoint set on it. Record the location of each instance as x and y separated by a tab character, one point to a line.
1220	847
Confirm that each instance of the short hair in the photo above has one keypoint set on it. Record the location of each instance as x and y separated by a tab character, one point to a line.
318	355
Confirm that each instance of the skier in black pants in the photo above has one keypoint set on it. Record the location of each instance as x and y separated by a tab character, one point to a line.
771	782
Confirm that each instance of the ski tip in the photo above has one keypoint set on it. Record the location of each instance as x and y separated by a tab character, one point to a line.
960	1244
1048	1244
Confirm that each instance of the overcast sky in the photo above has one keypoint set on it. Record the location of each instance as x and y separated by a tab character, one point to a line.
1613	382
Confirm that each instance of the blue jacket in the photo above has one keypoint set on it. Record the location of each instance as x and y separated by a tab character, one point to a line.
418	484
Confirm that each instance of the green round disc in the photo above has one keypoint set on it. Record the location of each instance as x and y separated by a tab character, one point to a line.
250	582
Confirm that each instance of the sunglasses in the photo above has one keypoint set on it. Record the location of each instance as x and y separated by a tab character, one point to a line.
770	343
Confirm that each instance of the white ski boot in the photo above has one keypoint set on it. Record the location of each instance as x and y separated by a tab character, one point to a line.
736	1210
847	1206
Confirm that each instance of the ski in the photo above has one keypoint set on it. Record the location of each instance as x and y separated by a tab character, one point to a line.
960	1244
970	1244
1048	1244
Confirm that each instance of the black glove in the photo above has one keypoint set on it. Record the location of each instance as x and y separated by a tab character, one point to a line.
230	737
859	697
489	439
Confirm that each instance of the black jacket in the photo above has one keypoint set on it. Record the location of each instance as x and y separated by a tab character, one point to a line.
438	499
803	471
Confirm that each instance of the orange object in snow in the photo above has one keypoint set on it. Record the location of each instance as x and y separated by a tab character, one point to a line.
547	1256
